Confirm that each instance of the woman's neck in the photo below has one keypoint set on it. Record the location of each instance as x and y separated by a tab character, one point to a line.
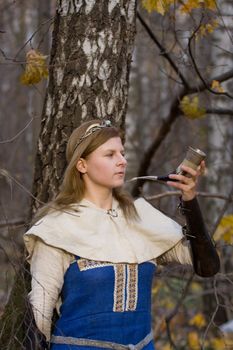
101	200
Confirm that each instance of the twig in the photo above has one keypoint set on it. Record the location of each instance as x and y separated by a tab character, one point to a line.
219	111
162	50
31	37
207	86
8	176
170	316
222	212
19	133
16	222
200	194
213	315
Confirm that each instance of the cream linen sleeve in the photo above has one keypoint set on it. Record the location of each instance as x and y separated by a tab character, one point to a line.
48	266
180	253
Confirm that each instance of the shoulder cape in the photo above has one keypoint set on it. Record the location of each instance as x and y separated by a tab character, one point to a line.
97	234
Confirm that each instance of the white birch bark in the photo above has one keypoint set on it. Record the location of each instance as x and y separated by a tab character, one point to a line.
88	78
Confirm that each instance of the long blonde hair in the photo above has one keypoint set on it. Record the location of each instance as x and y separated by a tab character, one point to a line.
72	187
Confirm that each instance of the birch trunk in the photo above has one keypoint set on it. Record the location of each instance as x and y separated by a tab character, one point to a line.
89	77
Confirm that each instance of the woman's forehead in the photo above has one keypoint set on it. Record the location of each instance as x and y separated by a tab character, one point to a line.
113	143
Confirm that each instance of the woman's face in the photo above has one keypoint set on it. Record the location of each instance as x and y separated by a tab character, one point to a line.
105	167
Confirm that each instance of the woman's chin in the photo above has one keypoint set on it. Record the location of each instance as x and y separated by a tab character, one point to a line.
118	183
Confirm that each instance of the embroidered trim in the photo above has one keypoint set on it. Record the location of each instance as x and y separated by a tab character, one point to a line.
119	288
86	264
132	287
125	296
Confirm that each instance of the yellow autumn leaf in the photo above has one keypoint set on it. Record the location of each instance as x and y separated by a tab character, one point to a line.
198	320
225	229
217	343
207	28
216	86
190	5
209	4
196	287
193	341
35	69
160	6
157	287
167	303
190	107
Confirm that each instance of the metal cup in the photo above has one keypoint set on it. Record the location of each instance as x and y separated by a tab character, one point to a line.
193	159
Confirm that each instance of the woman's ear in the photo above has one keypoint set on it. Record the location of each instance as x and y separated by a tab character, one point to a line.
81	166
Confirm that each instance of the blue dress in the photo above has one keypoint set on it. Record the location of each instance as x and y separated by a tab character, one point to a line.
105	301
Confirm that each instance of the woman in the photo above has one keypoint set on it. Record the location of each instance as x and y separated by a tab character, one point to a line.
93	250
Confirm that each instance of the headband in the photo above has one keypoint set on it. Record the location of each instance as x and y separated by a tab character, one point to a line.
92	128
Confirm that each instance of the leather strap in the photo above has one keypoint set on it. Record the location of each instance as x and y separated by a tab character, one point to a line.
101	344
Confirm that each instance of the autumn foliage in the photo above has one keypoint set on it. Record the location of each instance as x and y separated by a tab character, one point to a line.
35	69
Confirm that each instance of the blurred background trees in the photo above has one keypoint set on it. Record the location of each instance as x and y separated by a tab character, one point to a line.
180	94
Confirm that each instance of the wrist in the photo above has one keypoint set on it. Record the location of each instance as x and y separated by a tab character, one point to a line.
188	197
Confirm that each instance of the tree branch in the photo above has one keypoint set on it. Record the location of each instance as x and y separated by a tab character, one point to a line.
219	111
19	133
174	112
199	194
170	316
15	222
222	212
162	50
162	133
206	85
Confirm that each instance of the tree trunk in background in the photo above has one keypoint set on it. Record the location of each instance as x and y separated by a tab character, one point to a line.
88	78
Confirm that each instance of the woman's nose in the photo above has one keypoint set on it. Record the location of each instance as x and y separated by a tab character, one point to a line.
122	160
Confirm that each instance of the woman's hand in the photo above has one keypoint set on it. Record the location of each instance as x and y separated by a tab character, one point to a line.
186	184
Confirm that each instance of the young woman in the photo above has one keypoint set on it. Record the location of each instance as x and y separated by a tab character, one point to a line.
93	250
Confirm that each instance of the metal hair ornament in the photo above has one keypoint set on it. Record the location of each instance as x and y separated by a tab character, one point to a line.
92	128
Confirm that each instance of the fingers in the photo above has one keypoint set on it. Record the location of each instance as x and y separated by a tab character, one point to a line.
193	174
202	168
182	178
187	183
187	186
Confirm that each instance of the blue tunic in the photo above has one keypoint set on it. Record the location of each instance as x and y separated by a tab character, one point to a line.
105	301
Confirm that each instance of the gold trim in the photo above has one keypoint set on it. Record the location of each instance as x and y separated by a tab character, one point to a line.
86	264
132	287
119	288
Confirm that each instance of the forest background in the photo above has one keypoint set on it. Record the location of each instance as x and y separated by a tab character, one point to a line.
180	95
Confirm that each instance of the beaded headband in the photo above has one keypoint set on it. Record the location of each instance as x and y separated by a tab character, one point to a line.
92	128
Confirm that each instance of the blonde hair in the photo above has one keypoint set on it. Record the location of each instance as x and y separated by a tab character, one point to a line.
72	188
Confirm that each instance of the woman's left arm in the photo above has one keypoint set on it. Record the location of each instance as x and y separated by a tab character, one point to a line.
206	261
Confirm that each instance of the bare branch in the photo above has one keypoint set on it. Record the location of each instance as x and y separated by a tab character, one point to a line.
16	222
6	174
50	20
19	133
218	111
170	316
207	86
162	133
222	212
162	50
213	315
199	194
